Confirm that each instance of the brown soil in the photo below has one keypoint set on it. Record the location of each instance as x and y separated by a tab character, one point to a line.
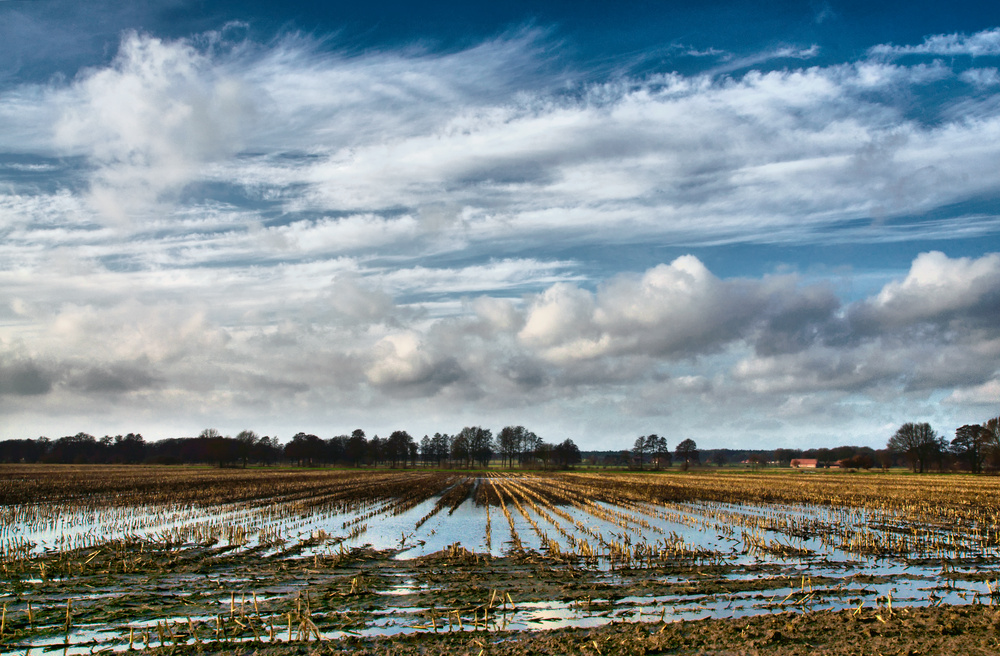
966	630
205	595
241	601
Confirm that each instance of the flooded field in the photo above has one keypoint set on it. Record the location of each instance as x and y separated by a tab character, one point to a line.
106	557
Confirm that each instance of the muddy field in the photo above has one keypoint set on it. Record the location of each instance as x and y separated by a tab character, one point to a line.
969	630
444	562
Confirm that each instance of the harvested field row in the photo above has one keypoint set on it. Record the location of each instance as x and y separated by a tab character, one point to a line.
303	556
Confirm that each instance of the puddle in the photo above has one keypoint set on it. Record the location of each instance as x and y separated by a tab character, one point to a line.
389	565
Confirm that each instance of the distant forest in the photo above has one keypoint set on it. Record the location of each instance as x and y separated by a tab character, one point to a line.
975	447
470	447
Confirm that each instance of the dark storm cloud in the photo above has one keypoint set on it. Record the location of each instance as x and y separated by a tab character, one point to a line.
115	378
798	320
24	377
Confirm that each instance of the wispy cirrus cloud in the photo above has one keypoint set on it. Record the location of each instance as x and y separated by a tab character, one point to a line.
379	141
979	44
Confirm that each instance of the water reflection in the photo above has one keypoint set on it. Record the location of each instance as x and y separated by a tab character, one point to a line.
759	559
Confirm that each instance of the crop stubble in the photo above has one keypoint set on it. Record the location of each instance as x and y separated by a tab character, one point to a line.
188	556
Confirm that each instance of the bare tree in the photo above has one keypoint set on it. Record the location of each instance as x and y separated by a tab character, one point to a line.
687	452
971	444
919	443
639	450
246	440
658	450
509	443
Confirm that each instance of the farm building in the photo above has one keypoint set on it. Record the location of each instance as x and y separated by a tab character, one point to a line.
804	463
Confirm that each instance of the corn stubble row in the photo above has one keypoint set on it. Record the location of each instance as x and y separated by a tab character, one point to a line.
125	519
589	515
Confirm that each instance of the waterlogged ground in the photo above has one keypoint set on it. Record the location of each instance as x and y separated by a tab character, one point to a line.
279	557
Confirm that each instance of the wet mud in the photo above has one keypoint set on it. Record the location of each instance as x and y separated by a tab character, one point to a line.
438	562
212	599
970	630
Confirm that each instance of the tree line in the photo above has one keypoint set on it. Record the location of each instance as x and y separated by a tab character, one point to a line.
473	446
655	450
975	447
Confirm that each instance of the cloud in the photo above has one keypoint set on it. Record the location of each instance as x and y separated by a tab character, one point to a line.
822	12
673	311
985	395
636	342
355	301
112	378
785	52
562	314
331	152
937	290
148	121
401	362
499	315
20	376
816	369
981	77
980	44
934	329
321	232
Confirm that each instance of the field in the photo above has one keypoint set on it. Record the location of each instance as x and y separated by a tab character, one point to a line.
200	559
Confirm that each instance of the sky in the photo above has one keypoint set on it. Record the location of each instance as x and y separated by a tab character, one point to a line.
756	225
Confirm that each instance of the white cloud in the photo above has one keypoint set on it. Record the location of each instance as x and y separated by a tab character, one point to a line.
981	77
320	233
399	359
676	331
938	288
673	311
935	329
980	44
149	120
131	331
500	315
985	395
396	147
350	297
561	319
496	276
401	364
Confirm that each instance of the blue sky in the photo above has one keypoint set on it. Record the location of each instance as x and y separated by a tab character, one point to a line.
756	226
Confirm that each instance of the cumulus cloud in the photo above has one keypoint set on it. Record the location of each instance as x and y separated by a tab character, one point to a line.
500	315
798	318
401	362
933	329
937	289
675	311
21	376
352	299
563	313
675	331
868	369
132	331
149	120
981	77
